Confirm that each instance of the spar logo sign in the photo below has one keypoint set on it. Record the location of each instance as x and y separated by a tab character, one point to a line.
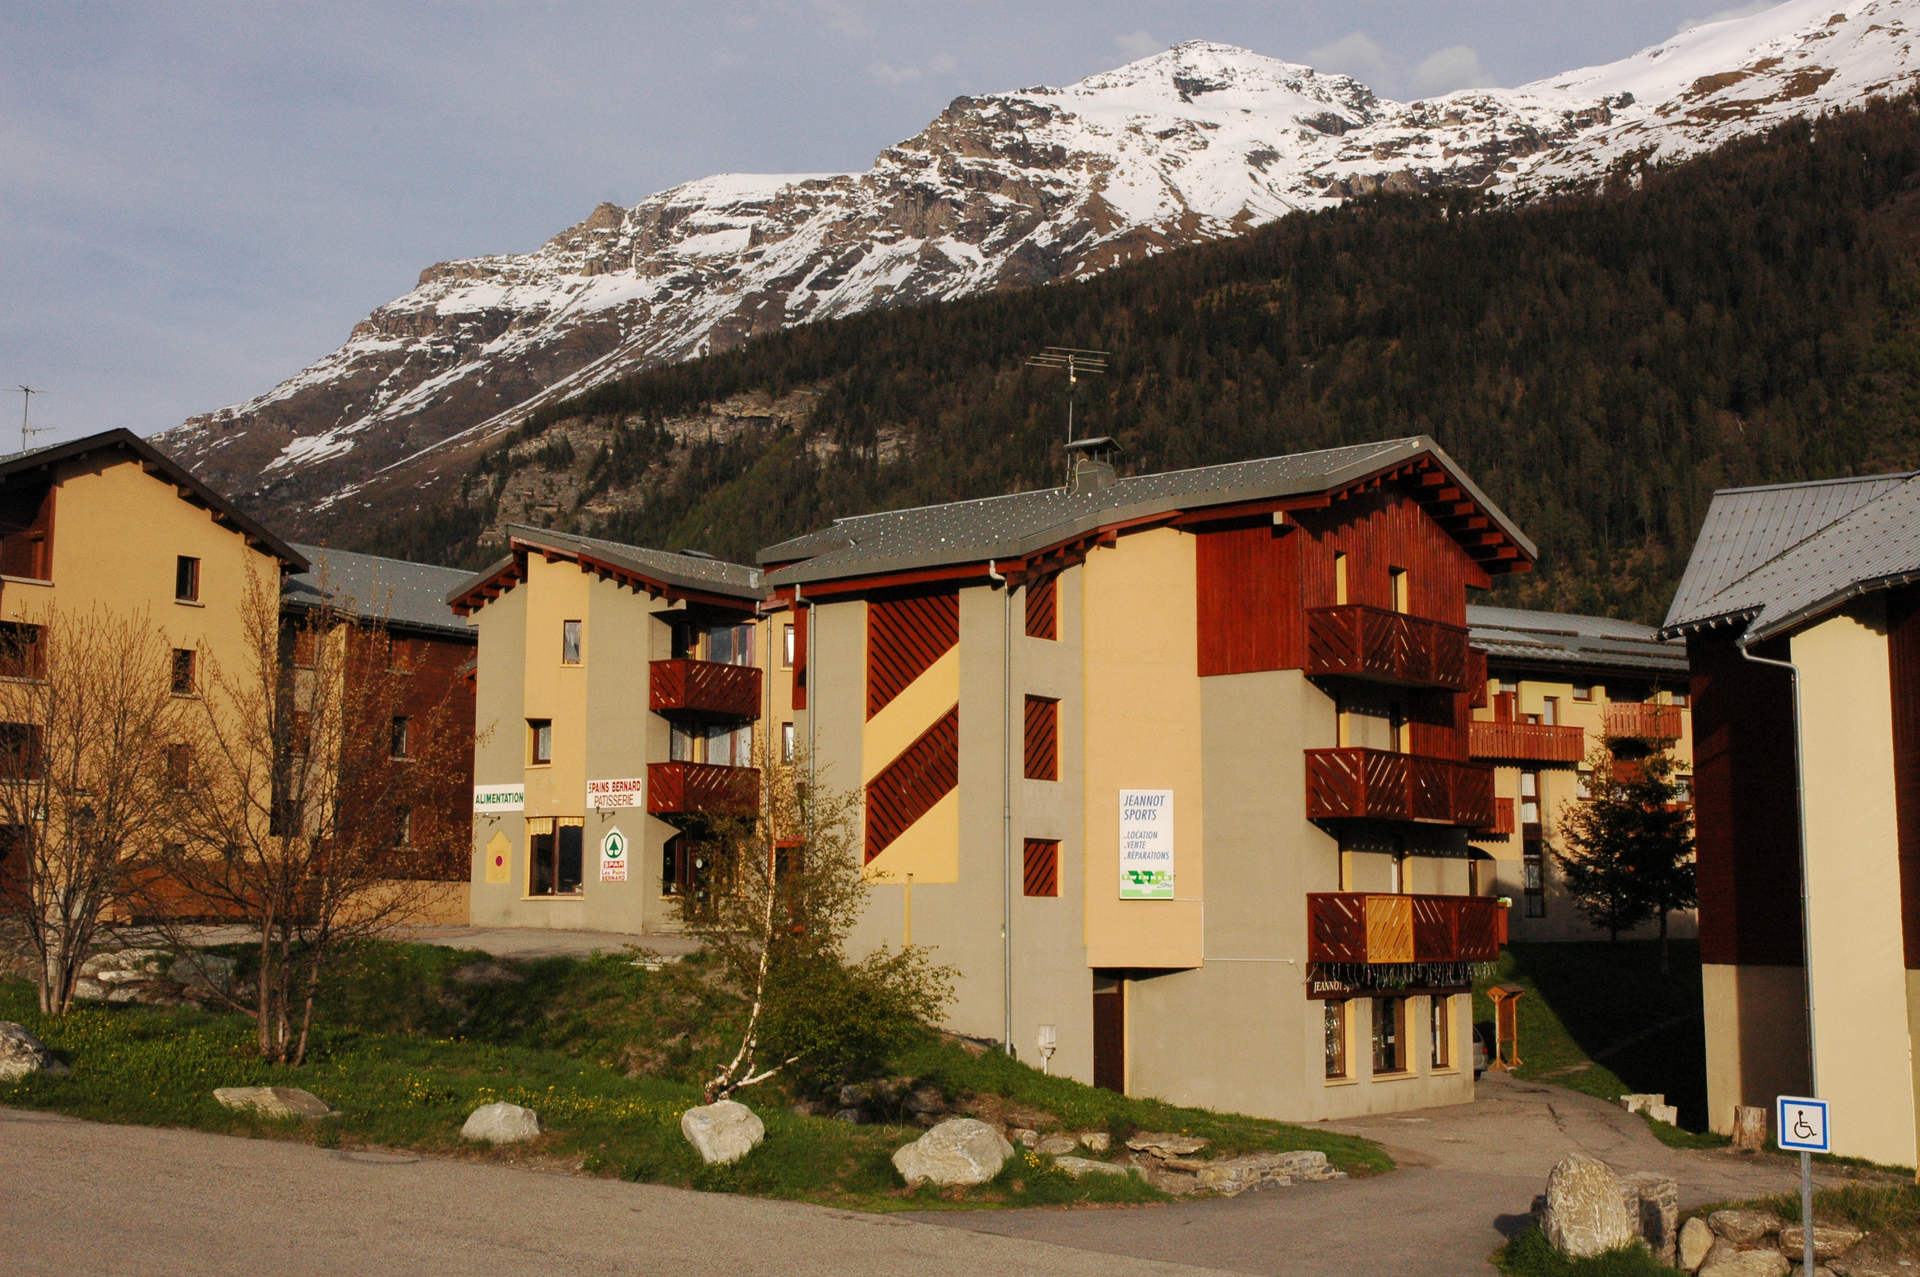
613	856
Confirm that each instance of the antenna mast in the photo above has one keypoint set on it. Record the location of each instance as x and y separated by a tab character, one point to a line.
26	431
1077	363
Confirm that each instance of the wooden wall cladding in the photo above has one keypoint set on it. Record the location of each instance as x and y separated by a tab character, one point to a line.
802	622
1043	738
905	635
1042	865
907	788
1903	658
1248	613
1377	531
1043	607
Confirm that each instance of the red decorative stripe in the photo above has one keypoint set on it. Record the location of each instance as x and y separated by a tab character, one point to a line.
908	787
1043	867
1043	607
905	636
1043	738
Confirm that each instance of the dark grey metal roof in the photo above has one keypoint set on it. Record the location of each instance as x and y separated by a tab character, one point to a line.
394	591
1772	558
1024	522
1514	636
686	570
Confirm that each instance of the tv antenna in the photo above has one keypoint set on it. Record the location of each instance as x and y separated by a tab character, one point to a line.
1077	363
26	431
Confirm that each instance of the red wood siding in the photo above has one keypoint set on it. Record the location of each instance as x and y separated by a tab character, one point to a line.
1746	820
1043	738
802	617
1378	531
1241	598
905	635
1042	863
1043	607
1903	658
908	787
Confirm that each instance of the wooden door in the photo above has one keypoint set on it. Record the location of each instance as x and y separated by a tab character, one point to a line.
1110	1032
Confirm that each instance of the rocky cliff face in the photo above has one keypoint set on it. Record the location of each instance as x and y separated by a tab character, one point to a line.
1008	189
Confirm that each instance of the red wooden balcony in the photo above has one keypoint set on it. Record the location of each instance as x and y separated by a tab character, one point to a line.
1387	647
1502	821
702	789
1357	927
1345	784
1477	676
1526	742
1635	721
704	689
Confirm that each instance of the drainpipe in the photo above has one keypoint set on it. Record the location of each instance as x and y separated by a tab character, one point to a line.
1800	803
1006	797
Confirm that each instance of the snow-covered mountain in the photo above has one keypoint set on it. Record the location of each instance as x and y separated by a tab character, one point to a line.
1008	189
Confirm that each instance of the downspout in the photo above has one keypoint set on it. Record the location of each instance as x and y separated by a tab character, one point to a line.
1006	797
1800	805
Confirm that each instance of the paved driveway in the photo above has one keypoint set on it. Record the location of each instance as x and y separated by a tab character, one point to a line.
1468	1175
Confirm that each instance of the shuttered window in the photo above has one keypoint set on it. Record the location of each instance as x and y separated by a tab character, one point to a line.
1043	738
1043	608
1042	867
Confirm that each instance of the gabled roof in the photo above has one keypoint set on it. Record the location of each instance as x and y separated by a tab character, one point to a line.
1567	640
392	591
1027	524
161	466
682	575
1768	560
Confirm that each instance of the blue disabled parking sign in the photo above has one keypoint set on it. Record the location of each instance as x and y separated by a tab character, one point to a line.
1801	1124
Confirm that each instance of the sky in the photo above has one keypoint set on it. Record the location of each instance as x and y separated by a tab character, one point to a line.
198	200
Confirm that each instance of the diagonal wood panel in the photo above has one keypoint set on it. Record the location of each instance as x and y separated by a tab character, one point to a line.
906	635
908	787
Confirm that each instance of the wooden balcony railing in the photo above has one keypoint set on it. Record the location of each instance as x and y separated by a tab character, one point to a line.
1502	821
1374	784
1635	721
705	689
1352	928
699	789
1387	647
1526	742
1477	678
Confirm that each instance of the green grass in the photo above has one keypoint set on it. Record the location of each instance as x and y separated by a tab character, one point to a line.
1871	1208
1600	1019
607	1053
1532	1255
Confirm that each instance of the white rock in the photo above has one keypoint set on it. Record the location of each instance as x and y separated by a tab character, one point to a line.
1162	1144
1056	1145
961	1150
1726	1261
1664	1113
1696	1239
501	1123
1078	1166
722	1132
1744	1227
22	1054
1585	1214
274	1101
1096	1141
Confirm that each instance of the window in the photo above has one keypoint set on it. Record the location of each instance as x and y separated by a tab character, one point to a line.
400	655
569	642
1402	596
539	740
1042	877
20	651
1401	729
19	750
553	855
1583	691
1683	789
400	735
786	647
1043	738
184	663
403	827
1533	868
1530	799
1678	698
786	742
730	644
1440	1030
1339	577
186	579
1336	1015
683	868
1389	1033
1550	710
305	644
179	766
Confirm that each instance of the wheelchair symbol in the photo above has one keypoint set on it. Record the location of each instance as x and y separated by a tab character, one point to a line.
1802	1128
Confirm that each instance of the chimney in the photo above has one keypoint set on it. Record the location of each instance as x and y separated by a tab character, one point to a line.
1091	464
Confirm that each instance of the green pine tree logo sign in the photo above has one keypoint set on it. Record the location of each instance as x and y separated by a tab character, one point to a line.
613	856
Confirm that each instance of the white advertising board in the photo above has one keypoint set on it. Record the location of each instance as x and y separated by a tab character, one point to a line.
613	856
612	795
1146	844
488	799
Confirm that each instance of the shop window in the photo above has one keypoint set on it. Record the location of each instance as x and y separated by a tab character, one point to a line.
1440	1030
569	642
1042	877
185	669
186	579
1389	1035
553	855
539	740
684	868
1338	1065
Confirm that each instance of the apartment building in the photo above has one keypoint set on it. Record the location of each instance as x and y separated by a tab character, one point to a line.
1557	687
1174	768
1801	612
621	697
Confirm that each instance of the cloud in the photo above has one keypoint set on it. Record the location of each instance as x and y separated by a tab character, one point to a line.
1454	67
846	18
1357	55
1138	43
943	64
1737	11
892	73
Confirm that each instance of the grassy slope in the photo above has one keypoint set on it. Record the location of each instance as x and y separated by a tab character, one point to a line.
608	1055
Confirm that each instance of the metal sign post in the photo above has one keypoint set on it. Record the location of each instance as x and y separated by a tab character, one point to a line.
1801	1126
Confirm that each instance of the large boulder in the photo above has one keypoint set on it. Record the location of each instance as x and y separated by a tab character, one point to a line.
1232	1176
1744	1227
961	1150
1696	1239
1830	1241
22	1054
1163	1144
274	1101
721	1132
202	976
1585	1211
1056	1144
501	1123
1726	1260
1078	1166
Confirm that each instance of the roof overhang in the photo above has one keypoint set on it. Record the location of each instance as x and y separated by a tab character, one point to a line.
503	574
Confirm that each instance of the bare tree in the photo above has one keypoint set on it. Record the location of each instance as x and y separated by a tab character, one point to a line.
88	731
320	803
785	889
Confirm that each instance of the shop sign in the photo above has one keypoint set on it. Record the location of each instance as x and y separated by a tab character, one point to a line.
488	799
612	795
613	856
1146	844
